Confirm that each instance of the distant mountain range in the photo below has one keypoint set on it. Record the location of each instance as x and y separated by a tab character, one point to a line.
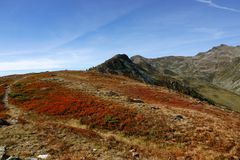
213	76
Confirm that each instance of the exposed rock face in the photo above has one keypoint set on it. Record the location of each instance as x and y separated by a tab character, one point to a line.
122	65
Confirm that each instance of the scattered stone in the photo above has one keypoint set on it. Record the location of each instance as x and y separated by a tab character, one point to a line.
44	88
179	117
133	100
111	94
236	157
135	154
2	151
31	158
154	108
43	156
3	122
14	121
13	158
56	79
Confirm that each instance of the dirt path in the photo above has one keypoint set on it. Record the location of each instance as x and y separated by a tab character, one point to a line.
14	112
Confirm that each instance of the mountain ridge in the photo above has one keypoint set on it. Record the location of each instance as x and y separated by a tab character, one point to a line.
208	76
204	66
121	64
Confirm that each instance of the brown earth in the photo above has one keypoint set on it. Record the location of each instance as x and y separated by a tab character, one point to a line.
87	115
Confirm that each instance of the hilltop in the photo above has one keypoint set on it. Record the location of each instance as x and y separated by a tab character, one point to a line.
90	115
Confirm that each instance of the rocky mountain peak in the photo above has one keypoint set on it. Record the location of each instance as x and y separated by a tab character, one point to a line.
223	52
121	64
138	59
120	57
221	46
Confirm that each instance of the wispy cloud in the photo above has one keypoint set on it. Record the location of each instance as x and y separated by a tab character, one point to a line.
58	59
121	17
213	33
212	4
29	64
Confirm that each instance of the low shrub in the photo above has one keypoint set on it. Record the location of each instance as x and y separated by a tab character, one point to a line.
19	96
91	110
109	119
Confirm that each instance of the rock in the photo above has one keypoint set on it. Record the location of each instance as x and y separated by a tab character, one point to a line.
135	154
13	158
43	156
133	100
3	122
179	117
112	94
30	158
154	108
2	151
14	121
132	150
235	158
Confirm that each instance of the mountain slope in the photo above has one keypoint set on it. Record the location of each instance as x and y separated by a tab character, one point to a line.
229	78
212	76
219	66
215	74
122	65
88	115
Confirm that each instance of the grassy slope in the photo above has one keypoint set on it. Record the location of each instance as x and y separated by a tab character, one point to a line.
221	97
226	77
99	109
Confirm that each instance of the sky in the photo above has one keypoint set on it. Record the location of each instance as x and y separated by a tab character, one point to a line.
46	35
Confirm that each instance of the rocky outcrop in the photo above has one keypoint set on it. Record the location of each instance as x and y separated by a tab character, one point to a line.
4	122
122	65
2	152
142	71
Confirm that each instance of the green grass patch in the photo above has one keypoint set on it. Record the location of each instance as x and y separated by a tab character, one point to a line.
19	96
109	119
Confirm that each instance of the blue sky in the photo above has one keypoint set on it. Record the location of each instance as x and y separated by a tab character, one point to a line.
39	35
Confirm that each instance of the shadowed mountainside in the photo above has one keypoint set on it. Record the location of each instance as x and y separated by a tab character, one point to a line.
122	65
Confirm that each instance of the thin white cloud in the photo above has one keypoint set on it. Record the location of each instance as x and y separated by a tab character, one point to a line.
213	33
212	4
60	59
31	64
